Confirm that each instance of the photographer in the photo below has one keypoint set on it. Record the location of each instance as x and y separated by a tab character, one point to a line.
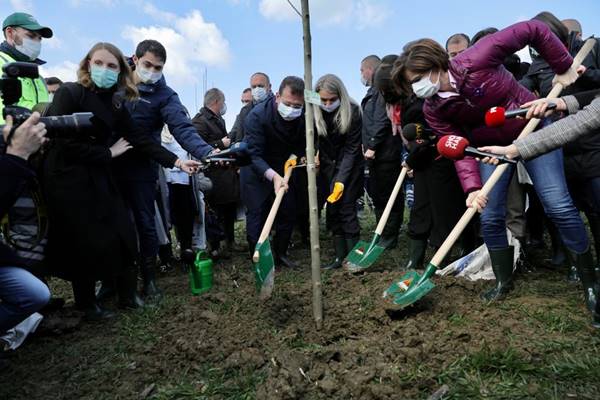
23	40
91	235
21	293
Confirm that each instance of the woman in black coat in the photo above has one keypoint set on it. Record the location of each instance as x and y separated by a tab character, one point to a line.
224	196
339	124
91	235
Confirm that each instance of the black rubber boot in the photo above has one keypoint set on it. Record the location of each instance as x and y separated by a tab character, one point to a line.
351	242
416	253
339	245
594	223
85	300
584	264
127	290
523	264
107	290
558	252
280	256
502	264
150	291
389	237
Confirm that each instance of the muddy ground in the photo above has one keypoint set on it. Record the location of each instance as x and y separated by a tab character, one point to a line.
227	344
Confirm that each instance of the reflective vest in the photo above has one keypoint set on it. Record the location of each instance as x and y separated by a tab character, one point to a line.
34	91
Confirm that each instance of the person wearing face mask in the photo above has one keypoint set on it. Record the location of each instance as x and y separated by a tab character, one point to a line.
223	197
458	93
90	235
23	42
260	89
275	129
52	83
136	173
246	96
383	152
339	124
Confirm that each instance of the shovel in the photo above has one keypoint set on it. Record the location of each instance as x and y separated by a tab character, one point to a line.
412	286
364	254
264	265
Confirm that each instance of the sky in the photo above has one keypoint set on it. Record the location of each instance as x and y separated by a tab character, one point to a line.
228	40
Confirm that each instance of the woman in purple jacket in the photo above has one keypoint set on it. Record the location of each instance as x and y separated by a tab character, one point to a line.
458	93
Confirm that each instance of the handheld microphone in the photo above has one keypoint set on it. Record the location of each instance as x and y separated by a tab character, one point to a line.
413	132
457	147
236	153
496	116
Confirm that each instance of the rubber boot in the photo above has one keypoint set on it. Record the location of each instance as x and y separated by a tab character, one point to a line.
280	256
351	242
594	223
85	300
558	252
502	264
389	237
107	290
523	264
416	253
127	290
150	291
584	264
339	244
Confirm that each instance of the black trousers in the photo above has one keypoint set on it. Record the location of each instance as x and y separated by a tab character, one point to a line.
383	176
183	212
439	202
284	222
227	214
139	197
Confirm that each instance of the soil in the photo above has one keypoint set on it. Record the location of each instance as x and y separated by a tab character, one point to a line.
229	344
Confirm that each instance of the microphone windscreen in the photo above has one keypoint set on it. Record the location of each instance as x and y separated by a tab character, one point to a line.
412	132
495	117
452	147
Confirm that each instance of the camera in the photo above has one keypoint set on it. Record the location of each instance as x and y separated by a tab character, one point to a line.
10	91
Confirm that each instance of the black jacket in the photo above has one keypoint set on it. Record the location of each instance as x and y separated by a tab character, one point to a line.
238	131
271	140
340	155
90	233
582	155
226	186
377	129
14	175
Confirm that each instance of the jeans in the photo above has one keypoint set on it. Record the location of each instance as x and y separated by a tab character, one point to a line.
547	173
21	294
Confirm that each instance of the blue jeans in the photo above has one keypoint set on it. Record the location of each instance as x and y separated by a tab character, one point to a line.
547	173
21	294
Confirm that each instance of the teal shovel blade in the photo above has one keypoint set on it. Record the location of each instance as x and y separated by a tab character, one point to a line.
410	288
363	255
264	270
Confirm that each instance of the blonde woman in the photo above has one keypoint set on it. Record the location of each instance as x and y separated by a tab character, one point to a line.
338	123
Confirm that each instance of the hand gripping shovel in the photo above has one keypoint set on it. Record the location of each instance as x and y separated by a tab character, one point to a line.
264	270
413	286
364	254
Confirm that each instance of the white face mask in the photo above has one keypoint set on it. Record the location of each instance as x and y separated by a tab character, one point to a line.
331	107
425	88
50	97
29	47
288	113
364	81
147	76
259	93
223	109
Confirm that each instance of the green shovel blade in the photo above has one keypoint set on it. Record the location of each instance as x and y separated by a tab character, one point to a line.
410	288
363	255
264	270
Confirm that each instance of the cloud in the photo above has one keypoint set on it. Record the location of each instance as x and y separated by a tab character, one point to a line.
360	13
191	42
66	71
22	5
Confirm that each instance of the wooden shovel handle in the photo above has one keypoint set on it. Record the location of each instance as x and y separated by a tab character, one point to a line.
264	234
493	179
390	203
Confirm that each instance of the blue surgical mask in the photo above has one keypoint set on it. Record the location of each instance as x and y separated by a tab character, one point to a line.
288	113
259	94
104	78
331	107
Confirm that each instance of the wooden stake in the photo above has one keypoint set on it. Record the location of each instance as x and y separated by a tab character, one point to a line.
312	177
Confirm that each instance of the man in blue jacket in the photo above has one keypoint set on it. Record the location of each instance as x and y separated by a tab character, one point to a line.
158	105
274	130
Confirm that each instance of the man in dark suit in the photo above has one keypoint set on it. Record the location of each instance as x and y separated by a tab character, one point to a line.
275	129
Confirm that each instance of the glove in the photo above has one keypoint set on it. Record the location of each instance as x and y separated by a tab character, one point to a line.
336	194
291	163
